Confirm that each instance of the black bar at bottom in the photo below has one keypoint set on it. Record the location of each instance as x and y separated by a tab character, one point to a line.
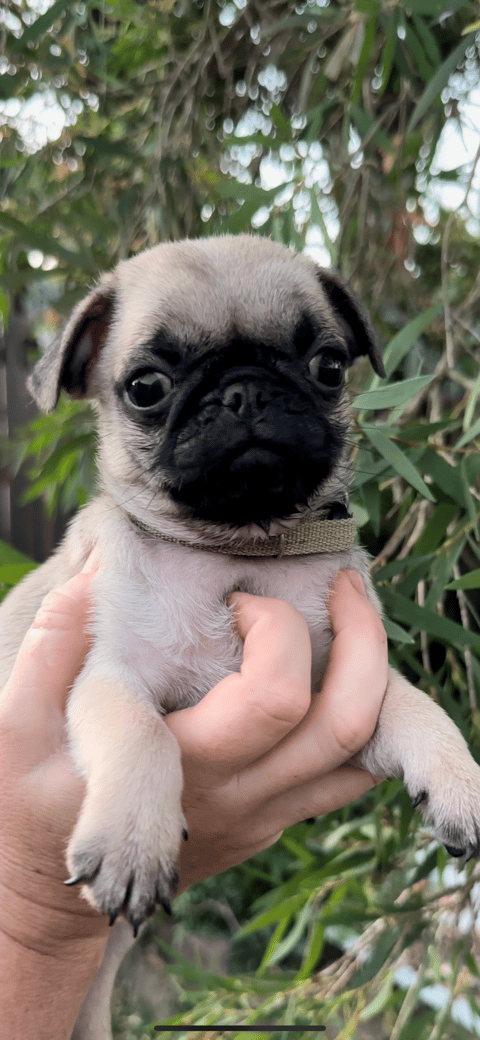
212	1027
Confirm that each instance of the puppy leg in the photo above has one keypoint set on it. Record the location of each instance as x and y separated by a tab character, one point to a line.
418	742
93	1022
126	841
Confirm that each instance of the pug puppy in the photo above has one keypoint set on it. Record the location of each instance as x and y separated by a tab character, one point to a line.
217	372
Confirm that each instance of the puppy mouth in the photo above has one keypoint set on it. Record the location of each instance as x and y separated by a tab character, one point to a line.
256	483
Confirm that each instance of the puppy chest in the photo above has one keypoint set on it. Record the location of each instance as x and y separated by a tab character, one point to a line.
171	636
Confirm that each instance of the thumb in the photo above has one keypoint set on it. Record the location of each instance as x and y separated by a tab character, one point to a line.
51	654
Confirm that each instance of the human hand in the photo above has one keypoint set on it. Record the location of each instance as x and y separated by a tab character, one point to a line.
256	756
51	941
259	752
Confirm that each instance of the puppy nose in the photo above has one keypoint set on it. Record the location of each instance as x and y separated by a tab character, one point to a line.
244	398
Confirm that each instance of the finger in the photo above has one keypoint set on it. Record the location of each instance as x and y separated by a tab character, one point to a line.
247	713
276	639
51	654
344	713
316	798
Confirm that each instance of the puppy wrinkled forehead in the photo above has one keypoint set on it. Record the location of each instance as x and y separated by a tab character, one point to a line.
203	288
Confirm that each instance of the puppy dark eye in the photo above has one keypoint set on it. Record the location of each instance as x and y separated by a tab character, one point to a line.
327	369
147	389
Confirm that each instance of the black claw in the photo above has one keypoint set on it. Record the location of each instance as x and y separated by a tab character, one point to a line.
77	878
135	930
311	819
167	906
128	893
421	797
455	852
185	834
174	877
112	917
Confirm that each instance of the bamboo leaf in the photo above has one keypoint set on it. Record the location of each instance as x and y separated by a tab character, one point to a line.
470	434
440	79
442	628
398	460
467	581
407	337
40	26
392	395
396	633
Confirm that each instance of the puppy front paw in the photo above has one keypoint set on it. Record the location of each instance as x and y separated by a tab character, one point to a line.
129	868
447	792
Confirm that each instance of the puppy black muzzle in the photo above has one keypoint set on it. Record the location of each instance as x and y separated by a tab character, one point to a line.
251	448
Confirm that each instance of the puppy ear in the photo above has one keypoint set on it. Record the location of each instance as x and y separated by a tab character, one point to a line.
67	363
361	336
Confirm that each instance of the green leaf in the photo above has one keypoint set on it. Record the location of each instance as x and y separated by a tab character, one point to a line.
245	192
432	7
442	628
312	952
396	633
297	849
472	504
428	39
435	529
439	80
39	27
376	958
398	460
407	337
284	947
447	477
388	53
382	998
9	555
273	944
467	581
275	913
364	58
365	125
417	53
12	573
38	240
280	122
392	395
470	434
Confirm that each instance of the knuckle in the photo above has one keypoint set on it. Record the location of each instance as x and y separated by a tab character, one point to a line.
286	701
352	735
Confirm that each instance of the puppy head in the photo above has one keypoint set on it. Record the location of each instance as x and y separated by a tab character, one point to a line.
217	367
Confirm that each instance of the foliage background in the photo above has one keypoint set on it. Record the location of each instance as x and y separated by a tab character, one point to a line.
338	127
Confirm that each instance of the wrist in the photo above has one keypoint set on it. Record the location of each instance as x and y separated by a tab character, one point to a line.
48	961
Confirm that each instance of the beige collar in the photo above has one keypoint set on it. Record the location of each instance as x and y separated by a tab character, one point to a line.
313	534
